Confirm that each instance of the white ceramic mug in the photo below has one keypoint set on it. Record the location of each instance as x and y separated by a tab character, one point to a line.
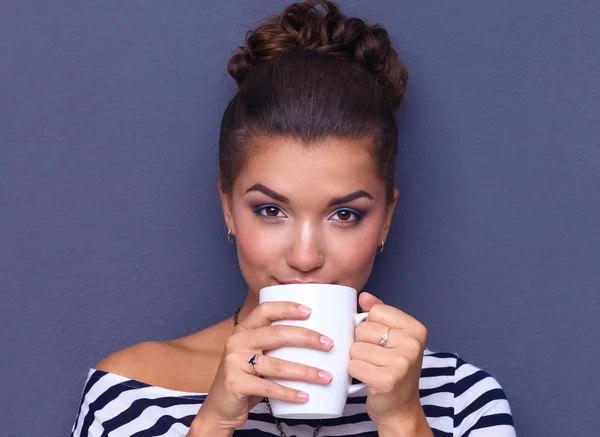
334	314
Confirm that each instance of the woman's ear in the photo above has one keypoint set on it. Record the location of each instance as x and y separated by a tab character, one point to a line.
227	209
389	212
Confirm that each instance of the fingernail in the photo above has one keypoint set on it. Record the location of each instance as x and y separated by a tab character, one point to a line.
303	396
304	309
325	376
326	341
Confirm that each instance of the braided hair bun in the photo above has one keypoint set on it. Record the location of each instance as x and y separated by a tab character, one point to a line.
320	26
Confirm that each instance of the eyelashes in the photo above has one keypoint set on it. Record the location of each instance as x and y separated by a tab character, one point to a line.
265	212
345	216
348	213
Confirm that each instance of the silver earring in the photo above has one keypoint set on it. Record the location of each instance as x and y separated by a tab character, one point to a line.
380	248
229	235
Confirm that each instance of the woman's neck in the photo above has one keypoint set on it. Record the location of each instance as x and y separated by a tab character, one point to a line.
249	305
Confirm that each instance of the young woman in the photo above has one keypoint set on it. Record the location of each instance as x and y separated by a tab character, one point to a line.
306	158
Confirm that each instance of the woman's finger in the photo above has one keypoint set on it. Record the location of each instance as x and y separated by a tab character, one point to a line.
372	354
268	312
252	386
273	337
373	332
394	318
270	367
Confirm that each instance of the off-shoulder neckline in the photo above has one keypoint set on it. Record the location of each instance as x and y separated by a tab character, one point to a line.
133	383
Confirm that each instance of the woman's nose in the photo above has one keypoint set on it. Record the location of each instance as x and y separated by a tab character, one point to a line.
306	251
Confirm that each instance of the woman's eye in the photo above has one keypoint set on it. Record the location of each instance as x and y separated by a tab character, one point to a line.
347	215
269	211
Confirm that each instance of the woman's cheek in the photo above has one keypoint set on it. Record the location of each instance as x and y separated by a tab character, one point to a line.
258	249
259	253
358	267
354	254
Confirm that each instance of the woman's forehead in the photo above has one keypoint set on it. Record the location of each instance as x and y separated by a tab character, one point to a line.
332	167
289	154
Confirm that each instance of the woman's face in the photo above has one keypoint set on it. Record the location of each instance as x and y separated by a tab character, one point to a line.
308	214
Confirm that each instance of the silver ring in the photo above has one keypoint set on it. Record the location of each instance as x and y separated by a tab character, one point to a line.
252	361
385	338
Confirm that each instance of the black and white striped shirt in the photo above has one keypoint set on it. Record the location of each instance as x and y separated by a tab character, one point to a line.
458	400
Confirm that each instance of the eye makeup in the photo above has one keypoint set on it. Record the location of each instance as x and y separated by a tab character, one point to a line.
265	211
272	213
359	216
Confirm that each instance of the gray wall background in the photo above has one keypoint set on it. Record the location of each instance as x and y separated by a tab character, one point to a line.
111	232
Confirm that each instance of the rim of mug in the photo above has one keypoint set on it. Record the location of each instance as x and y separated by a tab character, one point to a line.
336	286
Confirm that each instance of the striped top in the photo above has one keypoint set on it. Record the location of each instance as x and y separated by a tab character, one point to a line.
458	400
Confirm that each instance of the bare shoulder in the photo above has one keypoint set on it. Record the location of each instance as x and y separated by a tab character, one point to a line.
186	364
141	361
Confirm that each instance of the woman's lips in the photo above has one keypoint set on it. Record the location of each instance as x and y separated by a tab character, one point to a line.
295	281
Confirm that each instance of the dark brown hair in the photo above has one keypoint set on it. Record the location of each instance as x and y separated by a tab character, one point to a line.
312	73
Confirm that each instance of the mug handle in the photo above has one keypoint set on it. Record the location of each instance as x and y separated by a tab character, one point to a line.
357	387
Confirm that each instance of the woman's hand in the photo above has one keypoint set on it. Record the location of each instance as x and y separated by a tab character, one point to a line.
391	372
236	389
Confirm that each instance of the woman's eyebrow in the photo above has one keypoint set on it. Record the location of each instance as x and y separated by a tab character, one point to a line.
335	201
261	188
349	197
